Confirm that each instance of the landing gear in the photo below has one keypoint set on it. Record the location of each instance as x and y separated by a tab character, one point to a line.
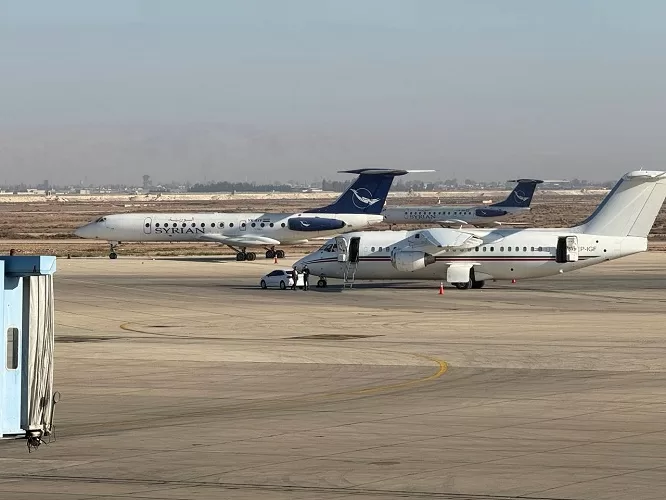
113	245
242	256
322	283
464	286
471	283
271	253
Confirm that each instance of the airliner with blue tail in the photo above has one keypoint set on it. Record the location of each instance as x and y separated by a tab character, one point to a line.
358	207
518	201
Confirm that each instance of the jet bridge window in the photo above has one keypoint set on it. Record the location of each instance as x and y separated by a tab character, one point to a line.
12	348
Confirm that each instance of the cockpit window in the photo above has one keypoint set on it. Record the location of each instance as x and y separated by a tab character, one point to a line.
101	219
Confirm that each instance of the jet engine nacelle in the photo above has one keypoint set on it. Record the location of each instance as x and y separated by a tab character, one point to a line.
309	224
411	260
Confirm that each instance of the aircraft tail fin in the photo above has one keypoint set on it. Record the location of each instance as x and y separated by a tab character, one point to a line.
630	208
367	195
521	196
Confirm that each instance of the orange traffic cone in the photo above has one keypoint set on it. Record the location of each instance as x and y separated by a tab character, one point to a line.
441	288
275	260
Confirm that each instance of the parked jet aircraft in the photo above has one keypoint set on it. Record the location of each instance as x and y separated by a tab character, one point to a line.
467	258
358	207
518	201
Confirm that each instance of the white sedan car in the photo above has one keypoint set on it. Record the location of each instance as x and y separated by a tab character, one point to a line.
282	278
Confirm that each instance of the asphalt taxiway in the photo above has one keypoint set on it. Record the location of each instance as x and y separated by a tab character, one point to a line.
181	379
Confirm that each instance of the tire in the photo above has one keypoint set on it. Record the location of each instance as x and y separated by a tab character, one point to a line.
283	285
270	254
263	285
240	257
113	255
464	286
321	284
280	254
251	256
478	284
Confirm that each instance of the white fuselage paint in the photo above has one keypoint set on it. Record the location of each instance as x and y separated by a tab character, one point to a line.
184	227
504	255
437	213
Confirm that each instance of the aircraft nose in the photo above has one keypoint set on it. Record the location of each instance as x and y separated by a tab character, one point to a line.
84	231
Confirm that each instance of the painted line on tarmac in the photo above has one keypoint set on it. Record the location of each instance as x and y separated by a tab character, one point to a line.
442	367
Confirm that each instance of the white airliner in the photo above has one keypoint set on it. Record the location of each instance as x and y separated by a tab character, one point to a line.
518	201
467	258
358	207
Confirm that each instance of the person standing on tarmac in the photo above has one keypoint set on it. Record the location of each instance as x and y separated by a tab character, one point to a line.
306	277
293	287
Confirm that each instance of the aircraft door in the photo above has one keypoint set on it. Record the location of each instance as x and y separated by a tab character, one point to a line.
567	249
354	248
341	243
572	249
147	225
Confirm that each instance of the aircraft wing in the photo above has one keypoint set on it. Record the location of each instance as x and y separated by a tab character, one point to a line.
444	238
238	240
452	222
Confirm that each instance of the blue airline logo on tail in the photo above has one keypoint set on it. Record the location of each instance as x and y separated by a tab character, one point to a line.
521	196
360	201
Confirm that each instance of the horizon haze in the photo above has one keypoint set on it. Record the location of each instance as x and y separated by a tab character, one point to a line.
266	91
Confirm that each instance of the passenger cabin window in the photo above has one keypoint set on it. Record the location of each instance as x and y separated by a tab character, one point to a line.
524	249
12	348
231	224
157	224
212	224
540	249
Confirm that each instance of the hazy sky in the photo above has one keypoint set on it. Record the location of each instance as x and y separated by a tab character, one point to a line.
281	89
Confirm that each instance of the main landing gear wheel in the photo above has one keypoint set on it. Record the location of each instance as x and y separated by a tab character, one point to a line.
270	254
463	286
478	284
280	254
321	283
242	256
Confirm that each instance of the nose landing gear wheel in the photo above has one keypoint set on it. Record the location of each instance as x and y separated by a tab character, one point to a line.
113	255
321	284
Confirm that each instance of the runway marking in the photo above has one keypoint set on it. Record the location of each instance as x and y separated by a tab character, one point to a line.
442	367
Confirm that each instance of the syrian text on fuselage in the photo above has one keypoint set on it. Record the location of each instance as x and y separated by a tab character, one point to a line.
179	230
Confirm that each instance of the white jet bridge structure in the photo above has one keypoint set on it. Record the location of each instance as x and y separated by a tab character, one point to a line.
27	399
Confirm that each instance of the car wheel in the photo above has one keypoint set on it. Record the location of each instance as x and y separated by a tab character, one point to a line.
263	284
283	286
